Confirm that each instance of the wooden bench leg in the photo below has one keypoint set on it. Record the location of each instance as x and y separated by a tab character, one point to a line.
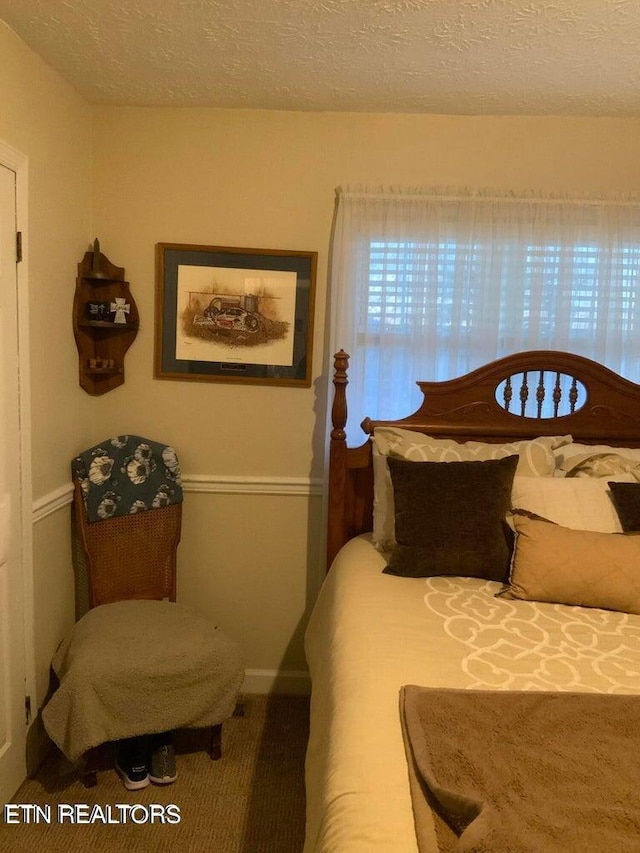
215	745
89	779
88	773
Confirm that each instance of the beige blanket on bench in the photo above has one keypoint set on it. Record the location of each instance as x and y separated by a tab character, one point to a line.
526	772
140	667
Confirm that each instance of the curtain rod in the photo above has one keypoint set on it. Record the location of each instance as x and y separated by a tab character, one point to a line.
480	197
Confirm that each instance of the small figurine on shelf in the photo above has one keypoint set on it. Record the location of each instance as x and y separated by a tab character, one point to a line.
120	307
95	260
98	363
99	311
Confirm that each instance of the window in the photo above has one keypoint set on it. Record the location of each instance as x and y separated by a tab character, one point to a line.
430	287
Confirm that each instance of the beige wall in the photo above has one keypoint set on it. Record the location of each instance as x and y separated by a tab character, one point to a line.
135	177
46	121
267	179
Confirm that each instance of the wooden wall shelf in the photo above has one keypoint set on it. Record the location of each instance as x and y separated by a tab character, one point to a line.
101	290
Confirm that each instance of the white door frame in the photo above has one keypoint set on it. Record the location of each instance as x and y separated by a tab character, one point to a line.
18	163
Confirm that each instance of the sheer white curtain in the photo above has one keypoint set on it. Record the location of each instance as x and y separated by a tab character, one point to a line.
429	285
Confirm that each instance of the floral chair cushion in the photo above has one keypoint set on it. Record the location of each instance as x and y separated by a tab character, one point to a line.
127	474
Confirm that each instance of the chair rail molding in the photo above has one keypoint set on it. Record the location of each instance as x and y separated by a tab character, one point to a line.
52	502
209	484
59	498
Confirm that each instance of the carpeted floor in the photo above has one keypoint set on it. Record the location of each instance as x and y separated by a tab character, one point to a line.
251	801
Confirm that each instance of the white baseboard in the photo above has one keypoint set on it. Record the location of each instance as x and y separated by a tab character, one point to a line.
276	681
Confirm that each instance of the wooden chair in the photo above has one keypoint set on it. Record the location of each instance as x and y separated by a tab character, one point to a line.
129	562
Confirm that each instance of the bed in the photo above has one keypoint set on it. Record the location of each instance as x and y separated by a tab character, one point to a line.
418	662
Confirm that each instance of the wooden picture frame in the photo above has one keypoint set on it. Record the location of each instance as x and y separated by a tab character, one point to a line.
234	315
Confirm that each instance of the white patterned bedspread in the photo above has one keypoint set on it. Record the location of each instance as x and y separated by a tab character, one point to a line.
371	633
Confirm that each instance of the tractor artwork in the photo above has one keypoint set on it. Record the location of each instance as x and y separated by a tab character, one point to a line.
234	319
231	316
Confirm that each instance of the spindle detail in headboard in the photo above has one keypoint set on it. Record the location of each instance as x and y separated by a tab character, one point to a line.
556	394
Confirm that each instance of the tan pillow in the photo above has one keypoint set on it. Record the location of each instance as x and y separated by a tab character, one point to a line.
576	567
536	459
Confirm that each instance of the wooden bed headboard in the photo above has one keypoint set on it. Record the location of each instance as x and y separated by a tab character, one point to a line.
600	407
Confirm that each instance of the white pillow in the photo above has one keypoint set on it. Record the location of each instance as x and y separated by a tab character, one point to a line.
536	460
581	504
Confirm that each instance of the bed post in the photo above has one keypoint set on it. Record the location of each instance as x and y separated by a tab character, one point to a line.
336	531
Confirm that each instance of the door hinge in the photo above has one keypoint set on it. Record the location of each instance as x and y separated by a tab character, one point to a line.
18	246
27	709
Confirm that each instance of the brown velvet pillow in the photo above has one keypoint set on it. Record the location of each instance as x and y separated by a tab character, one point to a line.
626	500
450	518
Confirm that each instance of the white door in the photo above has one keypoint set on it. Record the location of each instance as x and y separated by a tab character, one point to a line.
12	637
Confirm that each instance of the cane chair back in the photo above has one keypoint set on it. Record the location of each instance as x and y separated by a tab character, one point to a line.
128	556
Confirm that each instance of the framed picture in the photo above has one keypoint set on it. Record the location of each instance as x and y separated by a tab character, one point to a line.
234	315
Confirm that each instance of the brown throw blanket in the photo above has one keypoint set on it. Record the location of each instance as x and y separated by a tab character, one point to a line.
525	772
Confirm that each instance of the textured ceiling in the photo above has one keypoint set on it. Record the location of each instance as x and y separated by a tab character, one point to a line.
562	57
